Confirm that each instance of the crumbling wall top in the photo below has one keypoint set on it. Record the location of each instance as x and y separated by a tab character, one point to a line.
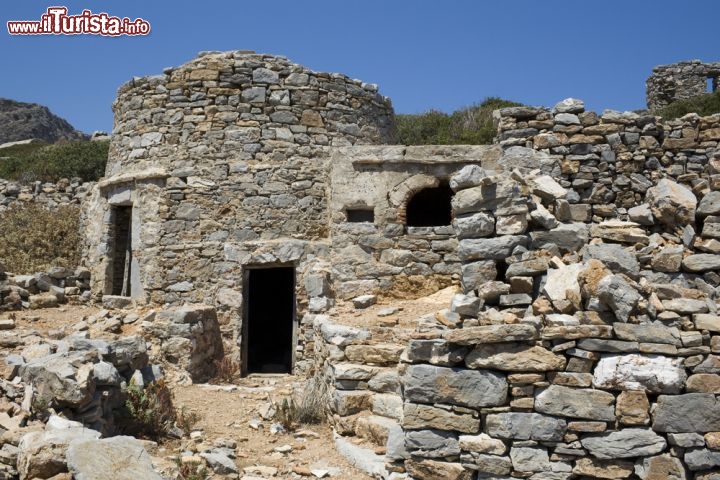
679	81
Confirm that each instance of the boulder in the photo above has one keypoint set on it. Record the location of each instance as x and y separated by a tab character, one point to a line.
688	413
672	204
115	458
652	373
42	454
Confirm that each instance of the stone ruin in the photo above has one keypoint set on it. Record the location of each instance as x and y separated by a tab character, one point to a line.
681	81
583	341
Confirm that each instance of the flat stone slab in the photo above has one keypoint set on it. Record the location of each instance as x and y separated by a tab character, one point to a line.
492	334
652	373
525	426
627	443
576	403
472	388
511	357
689	413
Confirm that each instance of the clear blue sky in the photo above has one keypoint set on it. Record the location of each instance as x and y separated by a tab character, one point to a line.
423	54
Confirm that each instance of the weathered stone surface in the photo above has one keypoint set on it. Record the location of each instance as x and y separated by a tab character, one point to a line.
42	454
417	416
67	378
647	332
618	231
545	187
525	426
576	403
569	237
704	321
701	262
710	204
641	214
488	466
495	248
685	305
492	193
615	257
468	176
530	459
380	354
617	294
562	283
573	332
594	468
702	459
432	443
482	443
652	373
671	203
514	358
477	275
434	470
668	259
660	467
691	412
632	408
602	345
115	458
472	388
491	334
627	443
703	383
465	305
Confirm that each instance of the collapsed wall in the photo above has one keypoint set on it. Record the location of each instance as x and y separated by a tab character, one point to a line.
681	81
585	343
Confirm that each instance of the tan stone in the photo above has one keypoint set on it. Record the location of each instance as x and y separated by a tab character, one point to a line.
632	408
380	353
203	74
703	383
603	469
593	427
492	334
482	443
311	118
434	470
417	416
514	358
661	467
712	440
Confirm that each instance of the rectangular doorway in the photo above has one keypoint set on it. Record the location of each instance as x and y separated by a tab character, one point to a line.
121	234
268	344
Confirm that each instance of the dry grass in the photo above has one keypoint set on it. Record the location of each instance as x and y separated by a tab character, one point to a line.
33	238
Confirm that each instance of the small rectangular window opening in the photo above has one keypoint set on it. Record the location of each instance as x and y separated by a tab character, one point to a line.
711	84
358	215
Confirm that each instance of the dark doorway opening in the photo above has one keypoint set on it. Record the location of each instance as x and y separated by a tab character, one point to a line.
430	207
121	235
269	320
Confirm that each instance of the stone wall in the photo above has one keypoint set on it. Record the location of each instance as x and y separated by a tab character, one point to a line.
64	192
680	81
585	341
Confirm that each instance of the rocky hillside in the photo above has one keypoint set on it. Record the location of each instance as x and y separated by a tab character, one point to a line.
21	121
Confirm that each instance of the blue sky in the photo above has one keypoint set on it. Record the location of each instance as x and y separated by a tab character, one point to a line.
423	54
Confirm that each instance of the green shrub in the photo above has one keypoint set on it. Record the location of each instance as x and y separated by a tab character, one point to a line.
50	163
149	411
470	125
32	238
703	105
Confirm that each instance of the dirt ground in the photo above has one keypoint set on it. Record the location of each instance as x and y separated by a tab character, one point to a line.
230	414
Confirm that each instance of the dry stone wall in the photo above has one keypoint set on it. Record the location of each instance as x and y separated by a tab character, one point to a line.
680	81
585	341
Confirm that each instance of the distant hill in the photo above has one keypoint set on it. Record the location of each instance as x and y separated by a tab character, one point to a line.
22	121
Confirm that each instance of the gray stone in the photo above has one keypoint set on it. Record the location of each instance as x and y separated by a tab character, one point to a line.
686	440
688	413
490	195
641	215
702	459
569	105
617	294
668	259
647	332
42	454
525	426
341	335
576	403
220	463
652	373
604	345
472	388
527	159
474	225
569	237
496	248
685	305
432	443
477	275
465	305
627	443
545	187
710	204
468	176
617	231
115	458
364	301
701	262
530	459
671	203
615	257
